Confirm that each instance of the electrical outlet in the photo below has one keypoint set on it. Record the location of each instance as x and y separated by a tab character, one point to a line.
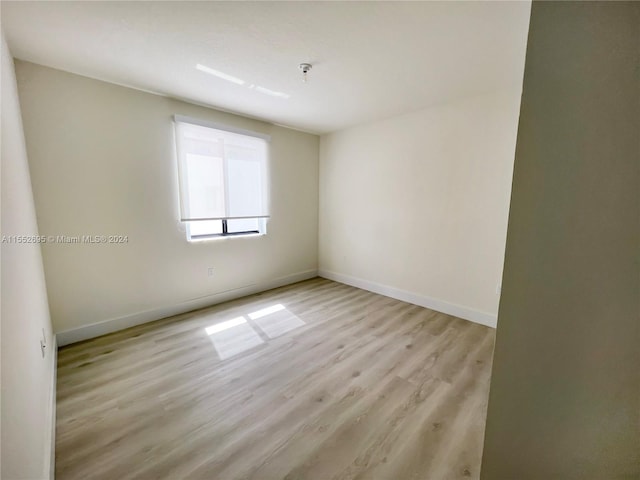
42	347
210	271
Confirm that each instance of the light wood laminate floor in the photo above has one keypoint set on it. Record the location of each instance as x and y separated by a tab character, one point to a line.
353	385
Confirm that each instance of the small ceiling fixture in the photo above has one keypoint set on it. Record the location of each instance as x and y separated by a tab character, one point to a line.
305	67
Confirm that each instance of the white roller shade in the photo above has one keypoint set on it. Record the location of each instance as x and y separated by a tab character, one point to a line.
223	174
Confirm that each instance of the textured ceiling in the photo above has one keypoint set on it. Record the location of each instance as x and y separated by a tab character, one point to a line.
371	60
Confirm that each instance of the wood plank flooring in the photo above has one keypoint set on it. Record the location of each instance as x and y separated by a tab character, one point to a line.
361	386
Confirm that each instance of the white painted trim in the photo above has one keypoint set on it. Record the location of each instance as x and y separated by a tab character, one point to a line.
115	324
52	448
466	313
220	126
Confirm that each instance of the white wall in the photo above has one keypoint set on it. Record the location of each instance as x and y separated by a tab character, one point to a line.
565	385
103	162
27	377
416	206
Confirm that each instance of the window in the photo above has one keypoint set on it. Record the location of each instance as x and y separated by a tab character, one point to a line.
223	179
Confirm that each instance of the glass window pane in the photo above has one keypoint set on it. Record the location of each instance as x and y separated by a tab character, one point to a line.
207	227
243	225
245	185
205	177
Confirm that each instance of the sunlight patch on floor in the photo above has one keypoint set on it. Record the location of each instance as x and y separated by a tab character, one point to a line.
242	333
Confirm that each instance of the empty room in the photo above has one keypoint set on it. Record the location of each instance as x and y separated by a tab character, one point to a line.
320	240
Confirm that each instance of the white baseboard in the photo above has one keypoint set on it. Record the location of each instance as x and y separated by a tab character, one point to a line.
52	450
115	324
466	313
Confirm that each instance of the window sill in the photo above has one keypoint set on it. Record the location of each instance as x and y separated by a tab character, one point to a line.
209	238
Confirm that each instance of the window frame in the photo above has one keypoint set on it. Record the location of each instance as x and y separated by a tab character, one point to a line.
261	219
225	230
